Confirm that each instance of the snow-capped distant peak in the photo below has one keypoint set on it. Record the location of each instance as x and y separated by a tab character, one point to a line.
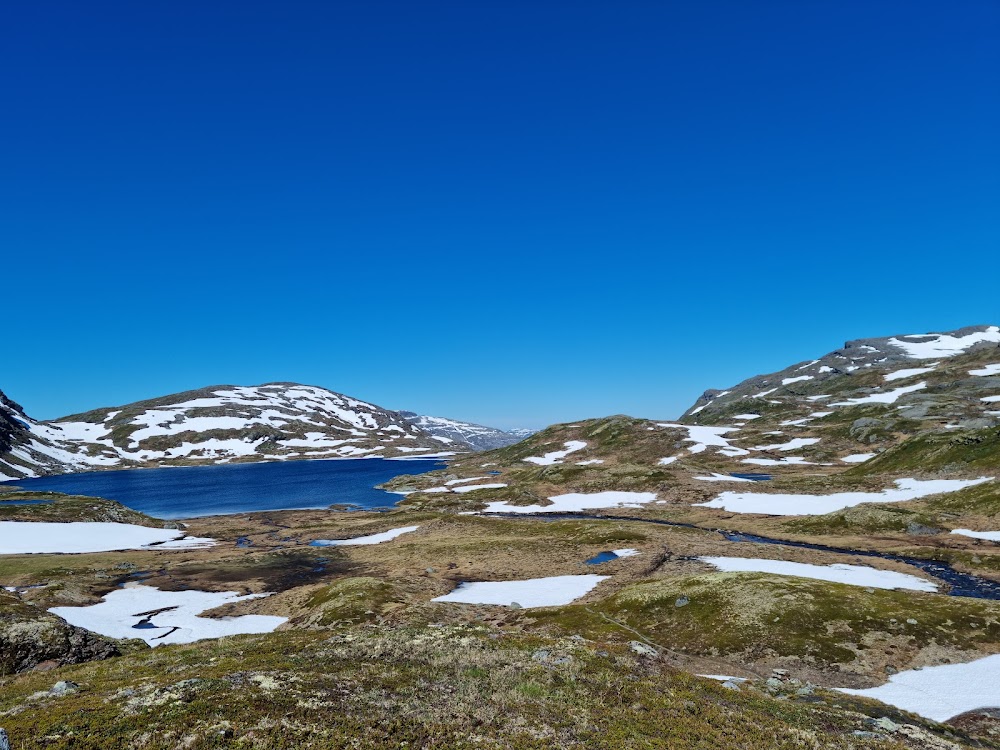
476	436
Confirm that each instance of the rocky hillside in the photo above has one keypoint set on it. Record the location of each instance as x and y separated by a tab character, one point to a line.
222	424
476	436
881	420
29	448
822	544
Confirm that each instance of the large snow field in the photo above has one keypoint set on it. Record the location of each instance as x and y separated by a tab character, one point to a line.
159	617
37	537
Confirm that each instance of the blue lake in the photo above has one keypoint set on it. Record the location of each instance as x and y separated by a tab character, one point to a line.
189	491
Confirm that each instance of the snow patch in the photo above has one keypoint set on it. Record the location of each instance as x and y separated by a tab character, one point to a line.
555	457
911	372
554	591
942	692
986	371
857	458
39	537
383	536
817	505
854	575
165	616
575	502
993	536
938	345
890	397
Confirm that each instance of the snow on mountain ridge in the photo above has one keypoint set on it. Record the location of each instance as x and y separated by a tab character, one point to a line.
891	357
476	436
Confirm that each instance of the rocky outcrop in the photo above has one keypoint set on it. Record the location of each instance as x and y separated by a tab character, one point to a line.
31	638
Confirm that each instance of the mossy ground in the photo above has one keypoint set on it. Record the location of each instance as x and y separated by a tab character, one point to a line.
447	687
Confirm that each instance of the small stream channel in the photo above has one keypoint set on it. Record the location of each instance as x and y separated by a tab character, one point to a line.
960	584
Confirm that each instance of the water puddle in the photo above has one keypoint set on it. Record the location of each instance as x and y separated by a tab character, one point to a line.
602	557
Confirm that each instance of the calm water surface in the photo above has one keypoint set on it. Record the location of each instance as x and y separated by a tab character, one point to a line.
188	491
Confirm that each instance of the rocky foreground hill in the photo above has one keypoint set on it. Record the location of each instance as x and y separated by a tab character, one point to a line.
223	424
808	559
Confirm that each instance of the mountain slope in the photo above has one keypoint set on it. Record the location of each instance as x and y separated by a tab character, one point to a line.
476	436
29	448
874	412
220	424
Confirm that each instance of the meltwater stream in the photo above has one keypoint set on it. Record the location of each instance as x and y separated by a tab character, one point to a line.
961	584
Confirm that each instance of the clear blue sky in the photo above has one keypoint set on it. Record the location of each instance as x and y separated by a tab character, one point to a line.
513	212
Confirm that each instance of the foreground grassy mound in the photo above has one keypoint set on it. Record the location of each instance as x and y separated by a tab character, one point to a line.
842	633
430	687
948	451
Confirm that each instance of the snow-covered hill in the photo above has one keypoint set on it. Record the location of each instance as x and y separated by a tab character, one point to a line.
948	377
218	424
29	448
476	436
901	406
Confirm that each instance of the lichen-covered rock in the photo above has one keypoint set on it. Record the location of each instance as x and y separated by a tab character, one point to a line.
31	637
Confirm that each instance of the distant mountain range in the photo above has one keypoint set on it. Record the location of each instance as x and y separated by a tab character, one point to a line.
222	424
846	406
476	436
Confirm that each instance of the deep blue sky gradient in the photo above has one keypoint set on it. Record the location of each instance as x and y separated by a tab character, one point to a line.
508	212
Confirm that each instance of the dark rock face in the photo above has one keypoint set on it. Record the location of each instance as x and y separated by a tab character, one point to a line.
32	638
9	425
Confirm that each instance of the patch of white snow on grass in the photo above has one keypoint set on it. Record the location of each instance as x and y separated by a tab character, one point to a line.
993	536
554	591
627	552
39	537
986	371
796	460
383	536
473	487
791	445
722	478
703	436
789	381
857	458
910	372
889	397
942	692
937	345
575	502
555	457
855	575
817	505
165	616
